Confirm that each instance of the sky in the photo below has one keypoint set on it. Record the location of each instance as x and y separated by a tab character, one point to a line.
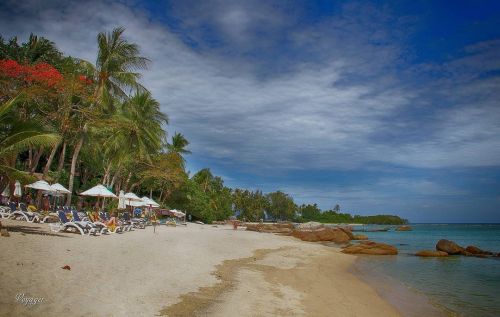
383	107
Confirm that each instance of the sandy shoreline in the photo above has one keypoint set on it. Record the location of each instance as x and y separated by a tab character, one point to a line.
182	271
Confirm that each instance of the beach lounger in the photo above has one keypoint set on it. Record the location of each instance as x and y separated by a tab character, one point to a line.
105	217
82	226
137	223
24	214
6	211
98	226
126	226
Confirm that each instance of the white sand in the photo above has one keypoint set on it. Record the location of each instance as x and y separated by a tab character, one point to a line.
140	273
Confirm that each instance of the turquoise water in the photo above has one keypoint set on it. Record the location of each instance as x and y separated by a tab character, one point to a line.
467	286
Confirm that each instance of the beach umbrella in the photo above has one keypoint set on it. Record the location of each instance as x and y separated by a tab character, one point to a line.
121	200
99	191
40	185
59	188
149	202
6	191
131	197
17	189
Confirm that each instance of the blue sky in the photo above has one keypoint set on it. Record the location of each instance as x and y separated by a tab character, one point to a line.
382	106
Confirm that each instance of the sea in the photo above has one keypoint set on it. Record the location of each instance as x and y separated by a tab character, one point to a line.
455	285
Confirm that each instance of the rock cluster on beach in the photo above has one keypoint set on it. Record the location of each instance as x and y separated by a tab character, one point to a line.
446	247
284	228
336	235
317	232
370	247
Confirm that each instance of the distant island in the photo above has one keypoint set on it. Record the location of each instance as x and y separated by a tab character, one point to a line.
313	213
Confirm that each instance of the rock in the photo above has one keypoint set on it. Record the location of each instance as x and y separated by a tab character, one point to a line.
311	225
475	250
372	248
270	227
404	228
322	234
4	232
449	247
66	267
348	232
429	253
360	237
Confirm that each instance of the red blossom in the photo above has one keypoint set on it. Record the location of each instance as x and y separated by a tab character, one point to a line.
40	73
84	79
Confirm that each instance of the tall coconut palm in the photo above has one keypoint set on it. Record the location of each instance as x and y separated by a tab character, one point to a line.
178	144
135	132
114	72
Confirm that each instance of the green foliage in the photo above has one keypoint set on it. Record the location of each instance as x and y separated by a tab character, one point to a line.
331	216
281	206
250	205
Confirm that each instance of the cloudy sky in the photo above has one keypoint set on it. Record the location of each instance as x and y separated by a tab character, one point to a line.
382	107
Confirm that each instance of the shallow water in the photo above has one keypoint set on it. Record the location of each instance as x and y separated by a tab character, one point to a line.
468	286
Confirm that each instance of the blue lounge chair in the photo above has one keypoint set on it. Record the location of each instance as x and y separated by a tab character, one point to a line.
81	226
98	226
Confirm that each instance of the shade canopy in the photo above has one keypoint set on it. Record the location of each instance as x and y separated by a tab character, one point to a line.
121	200
59	188
99	191
133	200
40	185
149	202
131	197
177	213
17	189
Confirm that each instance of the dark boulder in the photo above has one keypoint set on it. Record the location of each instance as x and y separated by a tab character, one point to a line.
431	253
449	247
475	250
360	237
371	248
322	234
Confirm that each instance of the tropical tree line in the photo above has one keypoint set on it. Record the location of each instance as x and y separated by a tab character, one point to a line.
82	123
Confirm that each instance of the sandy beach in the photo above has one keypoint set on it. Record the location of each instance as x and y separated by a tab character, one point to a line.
178	271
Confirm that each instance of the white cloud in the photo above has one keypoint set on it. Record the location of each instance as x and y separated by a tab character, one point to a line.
327	111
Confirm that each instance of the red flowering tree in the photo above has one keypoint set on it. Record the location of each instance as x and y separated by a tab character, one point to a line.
41	73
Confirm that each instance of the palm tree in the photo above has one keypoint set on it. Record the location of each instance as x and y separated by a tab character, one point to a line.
179	144
135	132
17	135
114	72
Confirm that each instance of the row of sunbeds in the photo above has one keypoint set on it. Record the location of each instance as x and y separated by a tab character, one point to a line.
80	222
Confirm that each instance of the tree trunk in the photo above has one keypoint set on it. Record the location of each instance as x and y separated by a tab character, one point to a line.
133	186
125	187
113	180
36	160
30	157
62	158
50	159
105	178
74	159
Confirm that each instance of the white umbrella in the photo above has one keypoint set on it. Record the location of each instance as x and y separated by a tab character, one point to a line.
40	185
98	191
17	189
59	188
130	197
6	191
150	202
121	200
